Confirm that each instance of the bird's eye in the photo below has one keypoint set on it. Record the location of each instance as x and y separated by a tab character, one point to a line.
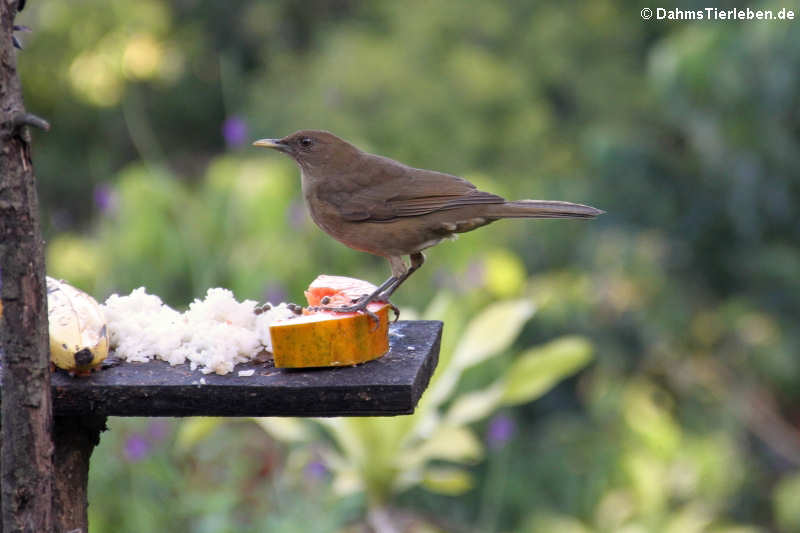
306	142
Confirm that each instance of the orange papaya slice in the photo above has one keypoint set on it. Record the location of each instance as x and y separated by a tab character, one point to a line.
340	289
327	338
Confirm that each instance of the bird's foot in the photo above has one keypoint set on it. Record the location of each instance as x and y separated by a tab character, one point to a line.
395	310
384	297
357	306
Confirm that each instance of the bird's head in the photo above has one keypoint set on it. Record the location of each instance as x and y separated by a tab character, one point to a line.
313	148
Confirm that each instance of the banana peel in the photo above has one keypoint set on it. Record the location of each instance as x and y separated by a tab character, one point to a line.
78	330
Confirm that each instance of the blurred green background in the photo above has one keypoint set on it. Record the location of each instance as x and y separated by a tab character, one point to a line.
675	306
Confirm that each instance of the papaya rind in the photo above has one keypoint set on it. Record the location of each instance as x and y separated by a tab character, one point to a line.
343	340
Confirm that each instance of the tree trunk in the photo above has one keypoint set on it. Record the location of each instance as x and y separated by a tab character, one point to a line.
27	446
75	438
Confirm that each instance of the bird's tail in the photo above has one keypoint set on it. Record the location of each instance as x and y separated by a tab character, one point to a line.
541	209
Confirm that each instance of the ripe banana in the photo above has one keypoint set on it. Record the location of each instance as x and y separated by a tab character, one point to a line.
78	332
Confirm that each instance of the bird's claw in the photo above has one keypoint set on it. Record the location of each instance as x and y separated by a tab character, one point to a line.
375	320
359	306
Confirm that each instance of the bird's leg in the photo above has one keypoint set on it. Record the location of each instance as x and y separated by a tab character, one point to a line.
377	292
417	259
400	273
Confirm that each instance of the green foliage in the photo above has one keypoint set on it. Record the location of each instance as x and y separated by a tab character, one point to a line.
684	132
538	369
650	473
787	503
383	456
225	482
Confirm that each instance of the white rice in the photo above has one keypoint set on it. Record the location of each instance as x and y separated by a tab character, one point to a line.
213	335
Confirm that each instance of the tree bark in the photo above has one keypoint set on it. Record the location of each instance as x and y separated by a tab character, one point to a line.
27	447
75	438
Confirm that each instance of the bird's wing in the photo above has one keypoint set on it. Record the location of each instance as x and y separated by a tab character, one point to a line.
395	190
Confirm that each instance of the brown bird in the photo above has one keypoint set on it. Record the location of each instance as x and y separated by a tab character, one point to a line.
377	205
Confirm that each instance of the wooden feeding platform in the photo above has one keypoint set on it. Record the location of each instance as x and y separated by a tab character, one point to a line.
387	386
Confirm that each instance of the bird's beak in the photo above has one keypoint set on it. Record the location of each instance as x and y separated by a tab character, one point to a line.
275	144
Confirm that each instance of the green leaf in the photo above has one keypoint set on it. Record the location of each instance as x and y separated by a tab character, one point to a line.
473	406
350	445
445	309
447	480
492	331
370	448
195	429
786	502
539	369
486	335
646	474
546	522
347	482
284	429
646	412
736	529
692	518
505	272
439	306
451	443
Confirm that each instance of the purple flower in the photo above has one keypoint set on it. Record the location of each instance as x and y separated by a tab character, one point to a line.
105	197
316	470
136	448
275	293
501	429
234	130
